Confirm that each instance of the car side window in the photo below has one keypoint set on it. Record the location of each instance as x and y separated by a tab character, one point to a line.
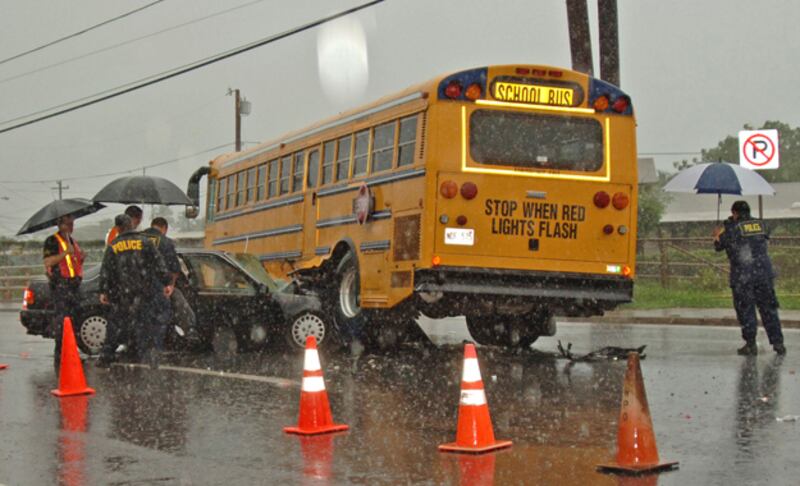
212	273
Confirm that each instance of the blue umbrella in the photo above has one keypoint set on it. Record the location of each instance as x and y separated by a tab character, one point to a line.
719	178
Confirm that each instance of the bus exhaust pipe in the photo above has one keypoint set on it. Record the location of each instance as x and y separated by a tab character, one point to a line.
193	191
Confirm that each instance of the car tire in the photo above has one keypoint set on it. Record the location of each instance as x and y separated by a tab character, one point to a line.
91	330
309	323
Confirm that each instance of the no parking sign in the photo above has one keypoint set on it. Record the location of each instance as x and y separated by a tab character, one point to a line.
758	149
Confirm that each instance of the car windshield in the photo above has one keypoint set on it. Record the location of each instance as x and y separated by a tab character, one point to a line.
253	266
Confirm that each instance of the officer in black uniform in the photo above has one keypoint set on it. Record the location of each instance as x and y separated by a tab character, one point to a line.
133	278
744	240
157	233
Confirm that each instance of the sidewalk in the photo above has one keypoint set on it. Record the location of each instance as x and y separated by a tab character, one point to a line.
682	316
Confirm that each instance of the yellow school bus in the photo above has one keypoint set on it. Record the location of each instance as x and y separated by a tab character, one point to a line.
506	194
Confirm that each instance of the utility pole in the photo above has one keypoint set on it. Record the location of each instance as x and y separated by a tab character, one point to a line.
240	107
60	188
609	41
237	107
580	41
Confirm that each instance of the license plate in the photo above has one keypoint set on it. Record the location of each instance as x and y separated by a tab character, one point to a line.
459	236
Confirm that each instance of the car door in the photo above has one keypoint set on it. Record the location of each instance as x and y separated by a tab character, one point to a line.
223	295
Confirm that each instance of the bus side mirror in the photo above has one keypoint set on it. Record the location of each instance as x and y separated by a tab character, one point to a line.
192	212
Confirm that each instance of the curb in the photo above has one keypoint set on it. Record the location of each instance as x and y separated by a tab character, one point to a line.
676	321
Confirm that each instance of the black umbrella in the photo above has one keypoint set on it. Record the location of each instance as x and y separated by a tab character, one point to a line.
142	190
48	215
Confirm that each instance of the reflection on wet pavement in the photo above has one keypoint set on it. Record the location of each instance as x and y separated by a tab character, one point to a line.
173	427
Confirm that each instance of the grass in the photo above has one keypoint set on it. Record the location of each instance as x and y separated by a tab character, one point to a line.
650	295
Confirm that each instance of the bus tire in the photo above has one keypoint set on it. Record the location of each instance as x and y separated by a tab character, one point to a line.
517	332
343	301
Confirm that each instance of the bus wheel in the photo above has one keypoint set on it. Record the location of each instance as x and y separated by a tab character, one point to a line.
343	300
503	330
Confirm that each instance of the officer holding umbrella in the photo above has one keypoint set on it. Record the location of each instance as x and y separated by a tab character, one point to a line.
744	240
62	258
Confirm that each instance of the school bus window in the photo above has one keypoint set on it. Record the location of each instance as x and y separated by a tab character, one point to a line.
297	173
343	158
221	195
272	185
383	147
261	181
328	151
240	186
406	141
286	171
211	199
251	184
230	194
361	153
313	168
537	141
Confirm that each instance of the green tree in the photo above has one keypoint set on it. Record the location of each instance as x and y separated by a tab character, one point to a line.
789	141
652	203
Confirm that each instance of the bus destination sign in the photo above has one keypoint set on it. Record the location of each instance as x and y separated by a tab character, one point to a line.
533	94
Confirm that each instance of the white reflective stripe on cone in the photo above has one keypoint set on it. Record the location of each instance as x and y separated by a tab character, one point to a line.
471	372
316	384
473	397
312	360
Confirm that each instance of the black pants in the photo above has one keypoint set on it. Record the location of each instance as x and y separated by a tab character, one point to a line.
759	293
66	303
140	323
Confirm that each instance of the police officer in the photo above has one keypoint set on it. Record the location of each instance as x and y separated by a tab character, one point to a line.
135	213
157	233
133	278
63	260
744	240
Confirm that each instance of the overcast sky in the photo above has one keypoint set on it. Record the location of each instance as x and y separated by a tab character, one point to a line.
696	71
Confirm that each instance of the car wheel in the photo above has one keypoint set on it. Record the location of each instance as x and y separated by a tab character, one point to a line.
308	324
91	332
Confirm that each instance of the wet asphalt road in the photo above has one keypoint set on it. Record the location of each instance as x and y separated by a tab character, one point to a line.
713	411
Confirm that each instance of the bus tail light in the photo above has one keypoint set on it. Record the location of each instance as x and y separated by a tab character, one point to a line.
608	229
555	74
461	220
28	298
436	261
626	271
469	190
448	189
620	200
620	104
623	230
473	92
601	199
453	90
601	103
523	70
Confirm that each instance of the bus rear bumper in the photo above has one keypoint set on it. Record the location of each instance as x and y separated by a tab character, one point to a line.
459	290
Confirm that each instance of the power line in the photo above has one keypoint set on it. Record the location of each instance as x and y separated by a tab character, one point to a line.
124	43
121	172
80	32
157	78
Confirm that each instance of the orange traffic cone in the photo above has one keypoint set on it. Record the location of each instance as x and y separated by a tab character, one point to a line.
315	410
636	441
70	380
474	434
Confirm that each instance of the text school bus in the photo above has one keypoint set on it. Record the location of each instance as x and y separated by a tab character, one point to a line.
506	194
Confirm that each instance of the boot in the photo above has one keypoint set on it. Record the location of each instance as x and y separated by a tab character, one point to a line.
749	349
780	349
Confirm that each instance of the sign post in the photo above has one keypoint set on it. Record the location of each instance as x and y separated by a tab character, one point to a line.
759	150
